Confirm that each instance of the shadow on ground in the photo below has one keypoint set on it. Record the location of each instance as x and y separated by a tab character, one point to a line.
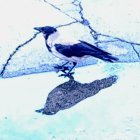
72	92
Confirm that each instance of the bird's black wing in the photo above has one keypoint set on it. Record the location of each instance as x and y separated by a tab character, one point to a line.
83	48
71	50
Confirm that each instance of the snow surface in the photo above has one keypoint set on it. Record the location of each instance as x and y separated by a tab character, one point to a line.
113	114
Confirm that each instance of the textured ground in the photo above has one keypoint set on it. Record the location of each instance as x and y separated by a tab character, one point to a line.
113	114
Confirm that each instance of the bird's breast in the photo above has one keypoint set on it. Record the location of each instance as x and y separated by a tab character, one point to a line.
63	40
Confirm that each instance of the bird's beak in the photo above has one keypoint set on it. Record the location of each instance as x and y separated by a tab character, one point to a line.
38	28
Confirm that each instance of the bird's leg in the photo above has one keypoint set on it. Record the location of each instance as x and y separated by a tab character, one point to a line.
69	73
74	64
62	68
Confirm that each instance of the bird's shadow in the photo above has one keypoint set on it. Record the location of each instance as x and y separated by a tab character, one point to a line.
72	92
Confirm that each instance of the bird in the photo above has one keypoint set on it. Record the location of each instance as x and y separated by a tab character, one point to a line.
71	51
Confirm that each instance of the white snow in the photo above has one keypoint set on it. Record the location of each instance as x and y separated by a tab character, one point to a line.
113	114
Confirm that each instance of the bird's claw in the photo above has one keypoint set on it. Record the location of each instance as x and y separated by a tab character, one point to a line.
69	75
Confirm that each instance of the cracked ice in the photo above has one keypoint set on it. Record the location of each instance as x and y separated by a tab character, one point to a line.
75	11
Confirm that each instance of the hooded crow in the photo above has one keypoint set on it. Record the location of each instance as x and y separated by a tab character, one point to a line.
71	51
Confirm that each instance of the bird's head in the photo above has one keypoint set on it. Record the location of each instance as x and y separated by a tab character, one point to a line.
46	30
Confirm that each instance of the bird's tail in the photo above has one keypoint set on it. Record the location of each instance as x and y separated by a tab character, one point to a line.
101	54
108	57
105	56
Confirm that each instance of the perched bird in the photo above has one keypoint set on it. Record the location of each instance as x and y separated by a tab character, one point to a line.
71	51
